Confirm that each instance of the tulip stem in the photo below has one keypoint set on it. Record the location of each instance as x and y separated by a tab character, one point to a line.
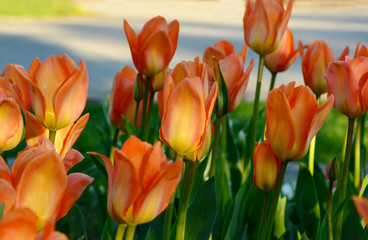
357	153
273	78
264	213
168	218
275	200
253	131
184	198
149	113
312	150
114	144
330	232
130	232
136	113
344	176
145	99
120	232
52	135
216	140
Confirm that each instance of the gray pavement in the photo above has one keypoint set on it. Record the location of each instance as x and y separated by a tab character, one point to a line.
99	37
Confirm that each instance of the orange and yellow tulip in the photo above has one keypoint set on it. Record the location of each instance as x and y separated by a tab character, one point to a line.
360	51
154	47
266	167
284	55
186	113
264	23
122	102
59	90
347	82
293	118
232	68
361	204
141	181
11	120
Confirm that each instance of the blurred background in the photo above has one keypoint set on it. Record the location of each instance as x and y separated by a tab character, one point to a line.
93	30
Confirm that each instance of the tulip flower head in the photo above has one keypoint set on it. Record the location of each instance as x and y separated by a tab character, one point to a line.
361	51
59	89
293	118
140	183
347	82
232	69
153	48
264	23
284	55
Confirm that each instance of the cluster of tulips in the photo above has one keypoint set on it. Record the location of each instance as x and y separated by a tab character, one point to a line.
210	189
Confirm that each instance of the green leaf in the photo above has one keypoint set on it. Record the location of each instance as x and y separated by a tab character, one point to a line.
364	189
351	228
1	209
202	212
107	232
73	224
280	227
129	127
150	235
222	101
321	187
306	201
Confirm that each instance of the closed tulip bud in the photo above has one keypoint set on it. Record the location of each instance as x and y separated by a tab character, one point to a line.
140	183
153	48
347	82
333	170
266	167
284	55
264	24
293	118
59	89
122	102
138	91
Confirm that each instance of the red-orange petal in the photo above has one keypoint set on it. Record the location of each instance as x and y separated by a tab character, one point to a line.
7	195
20	224
361	204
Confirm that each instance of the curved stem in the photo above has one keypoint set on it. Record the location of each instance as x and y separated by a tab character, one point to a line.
184	198
216	140
344	176
273	78
147	87
275	200
330	232
130	232
312	150
148	118
264	213
253	131
120	232
52	135
357	153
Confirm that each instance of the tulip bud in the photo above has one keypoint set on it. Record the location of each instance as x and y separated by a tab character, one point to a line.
333	170
138	92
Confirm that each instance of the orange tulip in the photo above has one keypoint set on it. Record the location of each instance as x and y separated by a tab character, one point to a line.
264	23
202	151
11	120
347	81
186	114
153	49
122	102
284	55
232	69
360	51
361	204
293	118
42	184
266	167
141	181
59	90
20	224
18	75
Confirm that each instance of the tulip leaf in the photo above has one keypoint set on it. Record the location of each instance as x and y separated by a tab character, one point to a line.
1	209
364	189
107	230
73	224
100	166
129	127
280	227
151	235
222	101
321	187
351	229
306	201
201	217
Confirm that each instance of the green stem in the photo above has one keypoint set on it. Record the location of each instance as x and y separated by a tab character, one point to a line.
216	140
136	113
130	232
148	120
120	232
330	232
264	213
52	135
344	176
312	150
184	198
253	131
223	143
114	144
275	200
273	78
362	130
357	153
147	87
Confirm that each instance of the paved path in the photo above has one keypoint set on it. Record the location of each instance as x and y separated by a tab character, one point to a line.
99	38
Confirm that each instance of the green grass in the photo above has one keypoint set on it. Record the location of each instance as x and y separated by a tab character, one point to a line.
39	8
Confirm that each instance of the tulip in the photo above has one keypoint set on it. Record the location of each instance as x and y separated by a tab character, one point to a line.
293	118
232	69
42	184
284	55
346	80
202	151
266	167
361	204
154	47
361	51
11	120
122	102
18	75
186	114
264	23
19	224
59	90
140	183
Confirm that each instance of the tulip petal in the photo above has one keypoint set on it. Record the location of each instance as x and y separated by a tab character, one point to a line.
135	150
361	204
5	171
20	224
174	33
284	21
71	158
151	165
7	195
34	129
